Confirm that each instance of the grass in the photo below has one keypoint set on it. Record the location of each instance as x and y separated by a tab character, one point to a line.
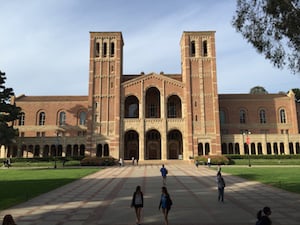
283	177
19	185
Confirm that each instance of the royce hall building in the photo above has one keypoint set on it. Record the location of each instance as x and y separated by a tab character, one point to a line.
157	115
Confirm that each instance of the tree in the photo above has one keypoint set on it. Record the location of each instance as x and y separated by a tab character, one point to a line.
297	93
8	113
273	28
258	90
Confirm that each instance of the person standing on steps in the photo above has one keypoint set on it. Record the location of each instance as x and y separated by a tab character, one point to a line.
165	203
221	186
138	203
164	172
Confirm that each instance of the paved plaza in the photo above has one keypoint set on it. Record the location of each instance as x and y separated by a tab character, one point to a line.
104	198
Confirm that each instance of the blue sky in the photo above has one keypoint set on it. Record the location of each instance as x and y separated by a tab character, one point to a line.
44	44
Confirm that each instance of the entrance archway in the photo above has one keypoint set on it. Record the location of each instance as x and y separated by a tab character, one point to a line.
131	145
153	145
174	145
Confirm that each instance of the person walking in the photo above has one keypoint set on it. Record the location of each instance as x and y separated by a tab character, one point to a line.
263	216
164	172
221	186
138	203
165	203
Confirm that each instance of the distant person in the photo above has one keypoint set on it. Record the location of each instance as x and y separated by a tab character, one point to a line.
8	220
263	216
165	204
138	203
137	161
221	186
132	160
208	162
164	172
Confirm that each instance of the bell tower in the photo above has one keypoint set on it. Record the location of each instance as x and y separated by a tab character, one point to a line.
198	57
105	71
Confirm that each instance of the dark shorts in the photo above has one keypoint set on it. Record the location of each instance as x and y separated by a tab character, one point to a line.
138	206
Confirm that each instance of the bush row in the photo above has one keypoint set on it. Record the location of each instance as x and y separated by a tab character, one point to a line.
232	157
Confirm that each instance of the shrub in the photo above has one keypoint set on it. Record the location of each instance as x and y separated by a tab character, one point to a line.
214	159
96	161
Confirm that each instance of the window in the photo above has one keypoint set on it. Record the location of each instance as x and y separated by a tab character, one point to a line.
112	49
104	49
242	116
97	48
62	118
153	111
133	111
282	116
22	119
82	118
171	109
42	118
262	116
204	45
193	49
222	117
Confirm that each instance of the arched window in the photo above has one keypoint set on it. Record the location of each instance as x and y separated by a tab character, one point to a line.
174	107
82	118
242	116
262	116
42	118
193	49
112	49
104	49
97	49
204	46
22	119
62	118
282	116
131	107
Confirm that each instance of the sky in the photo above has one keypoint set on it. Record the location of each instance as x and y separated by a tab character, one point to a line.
44	44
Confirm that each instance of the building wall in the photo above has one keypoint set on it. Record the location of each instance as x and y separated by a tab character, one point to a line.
156	115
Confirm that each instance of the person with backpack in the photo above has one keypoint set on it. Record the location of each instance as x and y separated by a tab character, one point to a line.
221	186
263	216
165	203
164	172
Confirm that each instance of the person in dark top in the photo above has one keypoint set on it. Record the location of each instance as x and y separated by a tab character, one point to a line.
164	172
138	203
263	216
165	204
221	186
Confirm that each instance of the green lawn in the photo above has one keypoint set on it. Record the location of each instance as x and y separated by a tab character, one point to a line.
19	185
286	178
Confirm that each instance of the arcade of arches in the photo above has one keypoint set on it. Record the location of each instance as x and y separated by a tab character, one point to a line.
152	148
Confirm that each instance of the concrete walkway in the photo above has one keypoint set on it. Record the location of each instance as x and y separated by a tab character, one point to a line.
104	198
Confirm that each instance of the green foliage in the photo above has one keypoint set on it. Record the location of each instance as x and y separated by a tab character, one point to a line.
272	27
18	186
8	113
97	161
215	159
258	90
297	93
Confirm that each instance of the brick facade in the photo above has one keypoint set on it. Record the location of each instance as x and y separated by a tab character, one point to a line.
156	115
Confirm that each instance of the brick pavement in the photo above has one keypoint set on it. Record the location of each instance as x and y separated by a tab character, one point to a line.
104	198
